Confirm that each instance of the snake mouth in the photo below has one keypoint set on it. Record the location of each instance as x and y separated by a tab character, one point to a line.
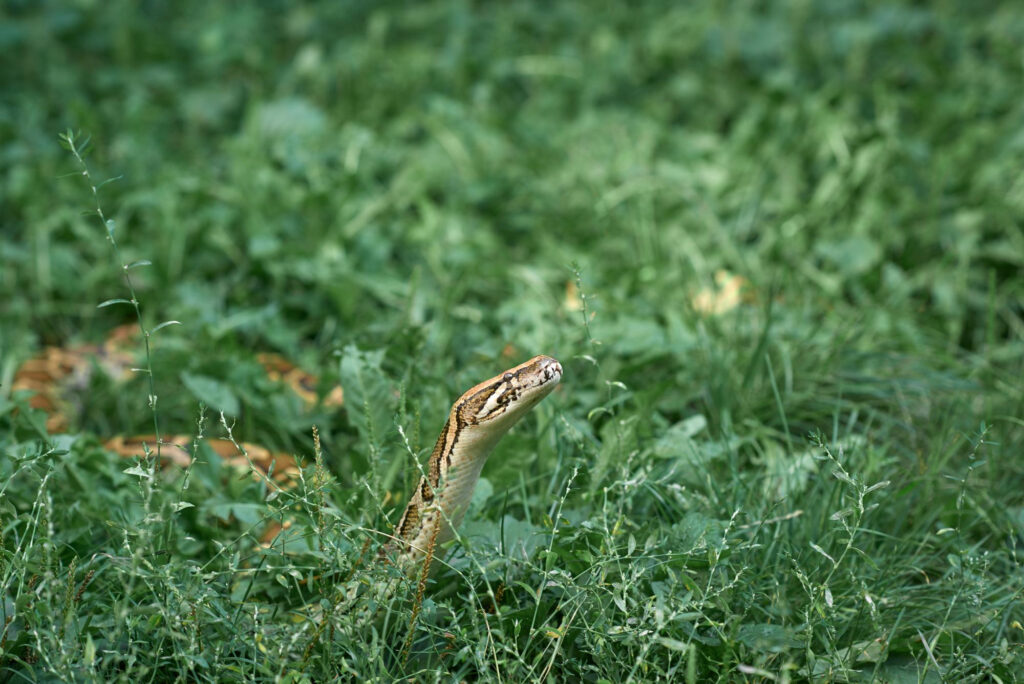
550	370
546	373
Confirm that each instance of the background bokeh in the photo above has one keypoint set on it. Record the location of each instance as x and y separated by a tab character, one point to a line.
424	194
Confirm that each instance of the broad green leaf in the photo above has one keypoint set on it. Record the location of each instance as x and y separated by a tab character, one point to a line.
136	470
367	396
484	490
245	513
213	393
768	638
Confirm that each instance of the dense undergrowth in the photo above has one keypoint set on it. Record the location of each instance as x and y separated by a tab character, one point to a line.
820	480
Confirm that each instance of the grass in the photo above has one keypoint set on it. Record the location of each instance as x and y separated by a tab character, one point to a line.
822	482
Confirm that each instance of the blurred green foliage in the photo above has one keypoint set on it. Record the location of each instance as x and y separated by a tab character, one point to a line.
410	197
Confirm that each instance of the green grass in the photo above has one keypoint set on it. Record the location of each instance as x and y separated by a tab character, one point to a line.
823	483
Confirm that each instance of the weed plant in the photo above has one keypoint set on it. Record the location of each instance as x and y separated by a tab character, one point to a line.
821	481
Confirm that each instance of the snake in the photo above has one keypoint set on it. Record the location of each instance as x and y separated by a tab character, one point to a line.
476	422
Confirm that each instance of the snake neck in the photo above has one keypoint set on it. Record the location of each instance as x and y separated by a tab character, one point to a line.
476	422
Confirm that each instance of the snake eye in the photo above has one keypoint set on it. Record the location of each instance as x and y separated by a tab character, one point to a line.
507	377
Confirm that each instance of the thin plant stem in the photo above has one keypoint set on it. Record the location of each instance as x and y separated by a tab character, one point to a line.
78	149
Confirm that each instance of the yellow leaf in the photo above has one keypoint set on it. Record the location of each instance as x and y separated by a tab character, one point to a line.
725	296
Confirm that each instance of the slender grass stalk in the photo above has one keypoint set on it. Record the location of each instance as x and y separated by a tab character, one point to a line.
79	149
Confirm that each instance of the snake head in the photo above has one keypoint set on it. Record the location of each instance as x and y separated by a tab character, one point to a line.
505	398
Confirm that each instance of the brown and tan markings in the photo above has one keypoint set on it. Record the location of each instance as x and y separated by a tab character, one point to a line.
58	377
476	422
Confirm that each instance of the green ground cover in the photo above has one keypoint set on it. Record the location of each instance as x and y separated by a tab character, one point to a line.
823	482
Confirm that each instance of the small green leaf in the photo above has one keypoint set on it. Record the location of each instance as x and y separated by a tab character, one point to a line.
674	644
90	651
181	505
368	396
109	180
768	638
213	393
877	485
164	325
111	302
140	262
822	552
840	475
136	470
484	490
